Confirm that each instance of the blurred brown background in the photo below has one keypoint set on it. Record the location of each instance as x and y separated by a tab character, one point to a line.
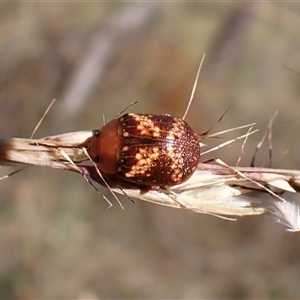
57	240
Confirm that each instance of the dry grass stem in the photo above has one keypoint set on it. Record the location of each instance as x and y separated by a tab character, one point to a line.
215	188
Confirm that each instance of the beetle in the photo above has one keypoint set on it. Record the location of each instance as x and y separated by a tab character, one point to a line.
151	151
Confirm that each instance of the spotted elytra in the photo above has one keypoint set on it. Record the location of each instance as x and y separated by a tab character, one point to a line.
151	151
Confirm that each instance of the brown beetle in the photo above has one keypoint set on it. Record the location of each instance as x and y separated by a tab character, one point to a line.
151	151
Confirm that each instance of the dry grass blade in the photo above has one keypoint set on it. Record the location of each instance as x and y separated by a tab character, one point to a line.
221	191
216	189
44	152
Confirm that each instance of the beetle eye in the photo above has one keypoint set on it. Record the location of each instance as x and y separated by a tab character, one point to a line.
96	158
96	133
